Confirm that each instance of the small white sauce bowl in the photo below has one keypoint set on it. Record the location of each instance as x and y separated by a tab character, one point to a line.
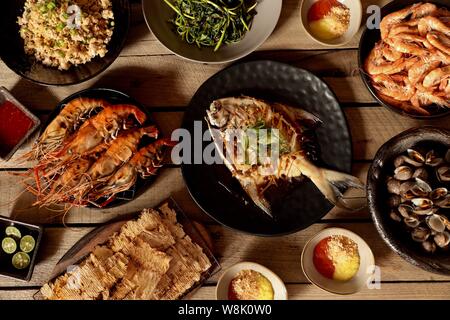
355	22
359	280
279	289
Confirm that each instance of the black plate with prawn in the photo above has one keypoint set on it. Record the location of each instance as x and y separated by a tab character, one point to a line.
92	180
296	204
370	37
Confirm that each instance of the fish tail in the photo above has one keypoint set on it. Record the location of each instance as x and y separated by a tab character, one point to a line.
330	182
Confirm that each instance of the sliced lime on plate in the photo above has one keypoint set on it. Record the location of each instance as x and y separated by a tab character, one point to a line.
27	243
12	231
9	245
21	260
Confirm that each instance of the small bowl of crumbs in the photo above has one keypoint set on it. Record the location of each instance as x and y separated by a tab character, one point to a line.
250	281
338	261
331	22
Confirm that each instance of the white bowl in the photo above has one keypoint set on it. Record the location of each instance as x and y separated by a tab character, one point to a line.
355	22
279	289
361	278
157	14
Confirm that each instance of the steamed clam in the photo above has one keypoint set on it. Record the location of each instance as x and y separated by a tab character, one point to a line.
421	173
415	158
429	246
395	216
432	159
436	223
393	185
403	173
405	210
420	197
442	239
420	234
443	173
412	221
438	193
421	188
444	202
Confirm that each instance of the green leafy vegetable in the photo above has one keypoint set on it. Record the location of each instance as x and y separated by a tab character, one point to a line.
212	23
60	26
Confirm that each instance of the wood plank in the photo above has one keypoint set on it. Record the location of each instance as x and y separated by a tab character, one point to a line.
280	254
388	291
17	203
289	33
169	81
303	291
370	128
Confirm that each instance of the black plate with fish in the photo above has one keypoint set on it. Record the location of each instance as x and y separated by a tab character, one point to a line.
113	97
368	40
297	206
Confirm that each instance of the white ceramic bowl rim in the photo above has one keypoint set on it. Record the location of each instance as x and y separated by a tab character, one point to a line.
355	7
263	25
348	287
280	291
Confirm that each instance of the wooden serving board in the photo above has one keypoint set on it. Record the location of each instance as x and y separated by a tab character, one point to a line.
100	235
85	246
81	249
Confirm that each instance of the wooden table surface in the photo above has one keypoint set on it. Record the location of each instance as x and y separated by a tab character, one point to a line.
165	84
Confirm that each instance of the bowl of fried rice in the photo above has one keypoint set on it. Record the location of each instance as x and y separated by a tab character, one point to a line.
62	42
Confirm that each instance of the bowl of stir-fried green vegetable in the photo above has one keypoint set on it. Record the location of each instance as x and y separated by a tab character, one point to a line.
212	31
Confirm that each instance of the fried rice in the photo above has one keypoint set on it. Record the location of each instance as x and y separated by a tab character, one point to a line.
62	33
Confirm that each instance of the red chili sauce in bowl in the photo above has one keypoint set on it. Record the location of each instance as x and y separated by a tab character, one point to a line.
14	125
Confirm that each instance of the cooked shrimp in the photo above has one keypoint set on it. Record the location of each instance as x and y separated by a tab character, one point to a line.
408	43
439	41
389	54
400	90
436	76
144	163
376	64
396	18
420	69
445	86
442	13
120	151
102	127
422	97
409	66
429	24
404	106
403	28
64	124
424	10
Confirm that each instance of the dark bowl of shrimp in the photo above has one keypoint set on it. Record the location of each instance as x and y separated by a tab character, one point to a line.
99	149
405	61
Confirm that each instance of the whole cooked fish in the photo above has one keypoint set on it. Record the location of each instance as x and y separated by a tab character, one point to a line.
262	144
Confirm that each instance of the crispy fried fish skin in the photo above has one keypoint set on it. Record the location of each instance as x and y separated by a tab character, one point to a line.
148	258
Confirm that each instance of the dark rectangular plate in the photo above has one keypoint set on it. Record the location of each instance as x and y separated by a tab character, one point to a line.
6	268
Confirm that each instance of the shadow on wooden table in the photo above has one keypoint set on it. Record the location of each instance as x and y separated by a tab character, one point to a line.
33	96
49	246
141	83
287	11
24	210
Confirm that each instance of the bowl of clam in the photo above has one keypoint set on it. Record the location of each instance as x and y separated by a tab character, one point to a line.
408	190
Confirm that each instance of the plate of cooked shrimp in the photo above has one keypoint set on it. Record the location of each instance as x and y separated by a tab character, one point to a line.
99	149
405	63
